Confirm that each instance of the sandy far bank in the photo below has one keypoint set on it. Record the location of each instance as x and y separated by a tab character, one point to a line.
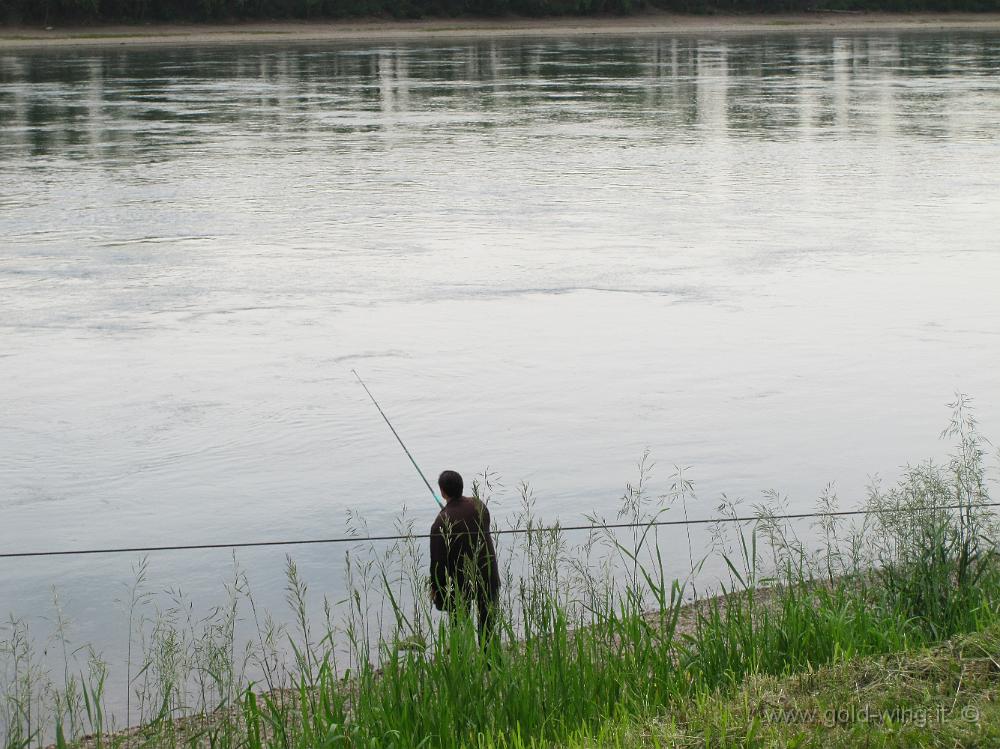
379	30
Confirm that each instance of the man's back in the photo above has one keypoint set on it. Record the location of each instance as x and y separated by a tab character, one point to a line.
463	559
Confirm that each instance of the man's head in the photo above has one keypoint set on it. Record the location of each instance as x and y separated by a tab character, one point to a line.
451	484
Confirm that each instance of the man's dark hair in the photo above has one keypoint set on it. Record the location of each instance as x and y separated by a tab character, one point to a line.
451	484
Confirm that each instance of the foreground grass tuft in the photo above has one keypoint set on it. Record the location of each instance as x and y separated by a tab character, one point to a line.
946	696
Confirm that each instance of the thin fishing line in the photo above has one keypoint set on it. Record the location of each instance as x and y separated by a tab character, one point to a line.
501	532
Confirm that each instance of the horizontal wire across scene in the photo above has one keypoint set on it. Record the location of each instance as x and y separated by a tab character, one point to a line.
506	531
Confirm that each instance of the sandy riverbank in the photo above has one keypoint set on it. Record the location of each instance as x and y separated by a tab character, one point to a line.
377	30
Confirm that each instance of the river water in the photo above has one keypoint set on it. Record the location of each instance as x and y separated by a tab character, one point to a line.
771	259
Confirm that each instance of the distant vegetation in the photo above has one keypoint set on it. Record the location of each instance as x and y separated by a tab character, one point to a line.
134	11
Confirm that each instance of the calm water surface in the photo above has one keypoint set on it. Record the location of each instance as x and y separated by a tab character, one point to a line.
771	258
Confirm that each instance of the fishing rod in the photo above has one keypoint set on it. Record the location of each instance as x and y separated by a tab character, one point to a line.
398	438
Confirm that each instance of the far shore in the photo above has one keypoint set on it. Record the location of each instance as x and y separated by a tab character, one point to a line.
458	28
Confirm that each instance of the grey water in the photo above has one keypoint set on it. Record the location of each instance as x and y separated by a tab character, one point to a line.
768	259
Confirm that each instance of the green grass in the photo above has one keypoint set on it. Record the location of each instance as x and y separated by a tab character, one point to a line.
596	646
946	696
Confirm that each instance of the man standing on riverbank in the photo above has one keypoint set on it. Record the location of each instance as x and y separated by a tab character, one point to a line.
464	567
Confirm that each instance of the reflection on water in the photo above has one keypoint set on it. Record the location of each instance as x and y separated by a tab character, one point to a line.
152	105
771	258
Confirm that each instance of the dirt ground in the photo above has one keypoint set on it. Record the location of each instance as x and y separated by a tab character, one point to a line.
387	30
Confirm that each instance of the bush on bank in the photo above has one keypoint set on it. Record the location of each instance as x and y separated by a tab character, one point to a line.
135	11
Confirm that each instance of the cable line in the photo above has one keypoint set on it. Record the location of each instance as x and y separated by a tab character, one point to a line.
502	532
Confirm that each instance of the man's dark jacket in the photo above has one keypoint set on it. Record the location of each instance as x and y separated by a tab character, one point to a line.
463	560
